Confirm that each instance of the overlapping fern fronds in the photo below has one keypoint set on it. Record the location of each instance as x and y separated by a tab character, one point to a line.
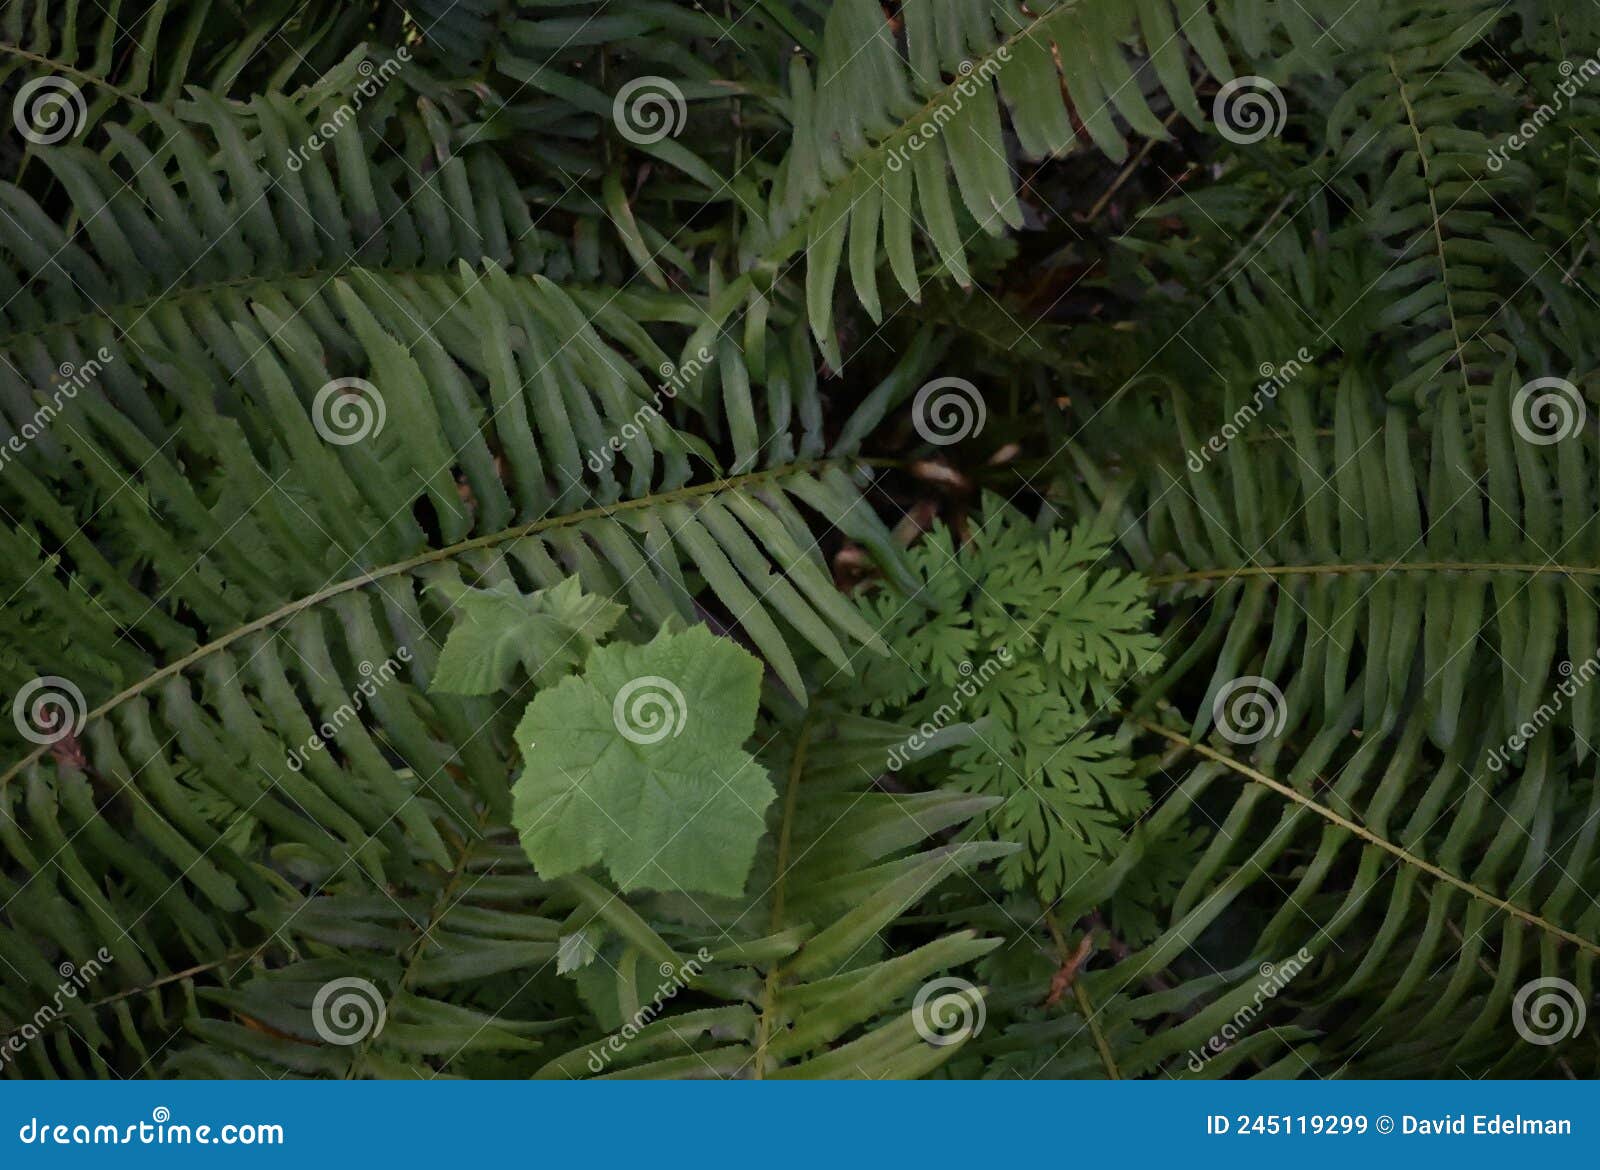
295	386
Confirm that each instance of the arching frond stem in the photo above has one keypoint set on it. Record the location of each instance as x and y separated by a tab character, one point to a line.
1366	834
433	556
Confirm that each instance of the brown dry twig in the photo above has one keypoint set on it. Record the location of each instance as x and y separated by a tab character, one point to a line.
1061	981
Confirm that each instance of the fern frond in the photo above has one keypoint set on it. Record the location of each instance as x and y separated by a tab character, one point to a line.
802	983
1437	803
891	109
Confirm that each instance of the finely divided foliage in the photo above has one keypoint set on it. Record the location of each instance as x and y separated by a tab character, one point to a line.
491	585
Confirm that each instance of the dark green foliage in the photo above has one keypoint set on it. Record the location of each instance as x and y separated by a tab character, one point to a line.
1030	642
343	733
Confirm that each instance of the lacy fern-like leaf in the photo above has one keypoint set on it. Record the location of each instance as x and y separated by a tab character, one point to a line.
1029	643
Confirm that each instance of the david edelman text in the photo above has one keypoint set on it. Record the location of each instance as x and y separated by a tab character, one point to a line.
1484	1123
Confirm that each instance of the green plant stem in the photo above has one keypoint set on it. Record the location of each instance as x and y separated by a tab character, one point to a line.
769	990
361	580
1367	835
1080	995
1376	567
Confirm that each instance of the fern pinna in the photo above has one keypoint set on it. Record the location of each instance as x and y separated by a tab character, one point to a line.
805	540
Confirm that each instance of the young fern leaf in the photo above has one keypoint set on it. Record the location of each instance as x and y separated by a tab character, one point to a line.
1455	264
